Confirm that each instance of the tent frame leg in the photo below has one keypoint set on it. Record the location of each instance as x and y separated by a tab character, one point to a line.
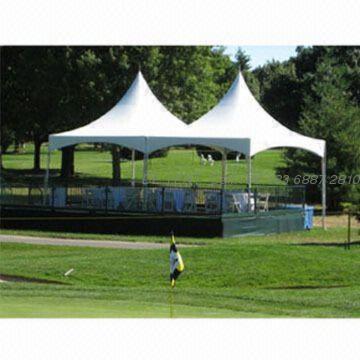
145	180
249	179
223	179
145	169
323	192
133	167
249	171
46	179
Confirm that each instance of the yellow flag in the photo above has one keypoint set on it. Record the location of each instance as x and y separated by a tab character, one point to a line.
176	261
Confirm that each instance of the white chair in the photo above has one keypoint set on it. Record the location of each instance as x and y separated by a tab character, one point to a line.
229	205
262	202
203	161
242	202
210	160
238	202
237	157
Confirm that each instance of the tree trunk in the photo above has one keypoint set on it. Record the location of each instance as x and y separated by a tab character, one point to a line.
37	147
67	161
3	149
16	147
116	170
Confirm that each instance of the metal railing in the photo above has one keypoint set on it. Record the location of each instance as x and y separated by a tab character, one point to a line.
156	199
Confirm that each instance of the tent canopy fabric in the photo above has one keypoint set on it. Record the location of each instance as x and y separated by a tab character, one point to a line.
135	118
238	123
239	115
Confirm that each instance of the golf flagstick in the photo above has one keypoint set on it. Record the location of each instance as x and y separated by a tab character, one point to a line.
171	302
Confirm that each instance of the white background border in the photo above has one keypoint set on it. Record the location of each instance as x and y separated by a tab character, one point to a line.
226	22
185	339
190	22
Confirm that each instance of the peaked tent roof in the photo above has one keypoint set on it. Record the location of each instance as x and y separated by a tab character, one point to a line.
141	122
138	116
239	115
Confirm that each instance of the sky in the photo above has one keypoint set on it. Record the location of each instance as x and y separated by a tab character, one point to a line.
261	54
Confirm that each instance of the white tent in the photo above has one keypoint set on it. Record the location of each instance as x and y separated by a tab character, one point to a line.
137	117
238	123
238	115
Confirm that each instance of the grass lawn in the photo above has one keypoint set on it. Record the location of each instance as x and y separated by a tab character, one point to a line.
304	274
179	165
272	276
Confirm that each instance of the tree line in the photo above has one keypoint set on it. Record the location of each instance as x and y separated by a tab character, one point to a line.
47	90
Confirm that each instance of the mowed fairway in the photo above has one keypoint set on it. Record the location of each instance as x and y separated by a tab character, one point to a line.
273	276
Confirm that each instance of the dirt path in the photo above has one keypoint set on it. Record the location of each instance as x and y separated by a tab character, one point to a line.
337	221
78	242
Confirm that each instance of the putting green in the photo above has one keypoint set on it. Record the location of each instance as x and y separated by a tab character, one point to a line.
12	307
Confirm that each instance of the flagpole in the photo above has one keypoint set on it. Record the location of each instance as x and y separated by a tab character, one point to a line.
171	303
170	293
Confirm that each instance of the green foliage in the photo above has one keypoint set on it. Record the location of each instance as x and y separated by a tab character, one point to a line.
52	89
317	92
281	93
331	114
185	81
242	60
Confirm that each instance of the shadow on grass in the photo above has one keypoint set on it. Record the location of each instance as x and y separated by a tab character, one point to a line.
26	175
15	278
32	177
306	287
336	244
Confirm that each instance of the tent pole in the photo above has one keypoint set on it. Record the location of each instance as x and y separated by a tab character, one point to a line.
133	167
323	192
145	169
248	157
249	171
145	166
223	178
46	179
145	181
145	175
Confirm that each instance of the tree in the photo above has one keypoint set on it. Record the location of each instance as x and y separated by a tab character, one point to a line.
45	90
331	114
242	60
280	92
116	169
184	80
33	79
67	162
12	109
91	89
